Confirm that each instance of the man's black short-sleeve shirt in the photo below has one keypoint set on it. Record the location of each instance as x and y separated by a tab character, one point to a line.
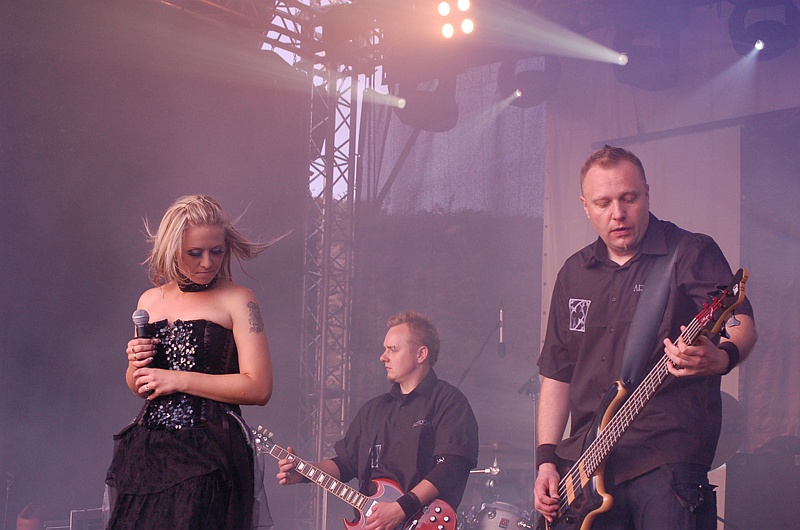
398	436
593	304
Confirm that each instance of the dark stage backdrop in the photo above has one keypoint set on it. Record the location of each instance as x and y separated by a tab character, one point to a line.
458	269
109	111
770	378
455	230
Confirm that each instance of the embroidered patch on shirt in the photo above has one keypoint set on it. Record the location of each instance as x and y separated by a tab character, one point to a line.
578	311
420	423
375	456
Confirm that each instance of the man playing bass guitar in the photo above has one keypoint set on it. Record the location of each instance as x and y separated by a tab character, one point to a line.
657	472
422	434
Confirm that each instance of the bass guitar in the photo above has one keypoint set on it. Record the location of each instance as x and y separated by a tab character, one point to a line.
581	491
438	515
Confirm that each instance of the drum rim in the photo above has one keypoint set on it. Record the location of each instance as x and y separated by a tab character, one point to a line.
516	509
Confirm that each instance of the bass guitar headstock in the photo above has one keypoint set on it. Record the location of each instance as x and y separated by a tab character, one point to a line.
727	299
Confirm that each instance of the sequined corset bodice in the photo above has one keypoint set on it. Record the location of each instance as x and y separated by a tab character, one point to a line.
188	346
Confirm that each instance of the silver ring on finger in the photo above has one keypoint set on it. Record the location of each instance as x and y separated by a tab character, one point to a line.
147	388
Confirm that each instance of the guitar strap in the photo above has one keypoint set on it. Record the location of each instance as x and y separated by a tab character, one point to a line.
647	318
366	474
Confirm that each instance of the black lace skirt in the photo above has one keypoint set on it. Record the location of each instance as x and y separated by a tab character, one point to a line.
189	478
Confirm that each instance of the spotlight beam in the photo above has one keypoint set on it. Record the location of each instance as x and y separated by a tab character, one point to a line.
378	98
512	27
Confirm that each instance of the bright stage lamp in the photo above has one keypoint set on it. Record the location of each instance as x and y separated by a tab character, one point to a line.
467	26
448	30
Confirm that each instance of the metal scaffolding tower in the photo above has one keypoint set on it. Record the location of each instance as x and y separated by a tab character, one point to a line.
327	283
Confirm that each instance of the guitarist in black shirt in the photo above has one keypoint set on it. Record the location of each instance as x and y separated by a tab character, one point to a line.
421	435
656	475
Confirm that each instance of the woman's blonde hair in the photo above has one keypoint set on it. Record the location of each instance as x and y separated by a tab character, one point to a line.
167	242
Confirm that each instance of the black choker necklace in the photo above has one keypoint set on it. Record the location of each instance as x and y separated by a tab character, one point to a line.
191	287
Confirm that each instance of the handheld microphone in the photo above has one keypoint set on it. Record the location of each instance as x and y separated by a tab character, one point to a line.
140	319
501	347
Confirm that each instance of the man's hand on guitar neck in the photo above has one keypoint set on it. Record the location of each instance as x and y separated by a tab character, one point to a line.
701	358
704	358
288	475
545	491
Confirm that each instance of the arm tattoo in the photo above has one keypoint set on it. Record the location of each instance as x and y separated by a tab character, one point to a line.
256	322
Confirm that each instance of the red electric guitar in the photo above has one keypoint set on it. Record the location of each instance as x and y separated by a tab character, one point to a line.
438	515
582	491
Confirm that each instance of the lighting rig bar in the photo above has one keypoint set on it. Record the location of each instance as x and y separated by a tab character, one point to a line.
298	28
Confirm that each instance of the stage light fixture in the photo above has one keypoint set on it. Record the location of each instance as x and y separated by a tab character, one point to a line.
423	38
430	108
344	30
652	63
455	18
527	82
774	36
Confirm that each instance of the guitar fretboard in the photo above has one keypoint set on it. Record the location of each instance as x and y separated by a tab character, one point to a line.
336	487
601	447
599	450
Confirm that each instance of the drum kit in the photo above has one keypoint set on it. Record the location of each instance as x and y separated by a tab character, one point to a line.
509	477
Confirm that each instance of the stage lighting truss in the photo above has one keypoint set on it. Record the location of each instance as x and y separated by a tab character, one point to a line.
767	37
337	36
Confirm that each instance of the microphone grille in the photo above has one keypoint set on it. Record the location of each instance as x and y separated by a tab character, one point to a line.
140	317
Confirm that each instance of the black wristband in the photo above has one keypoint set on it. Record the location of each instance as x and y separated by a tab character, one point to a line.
733	355
546	454
409	503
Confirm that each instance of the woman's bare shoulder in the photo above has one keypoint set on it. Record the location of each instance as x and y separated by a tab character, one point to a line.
153	296
235	293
